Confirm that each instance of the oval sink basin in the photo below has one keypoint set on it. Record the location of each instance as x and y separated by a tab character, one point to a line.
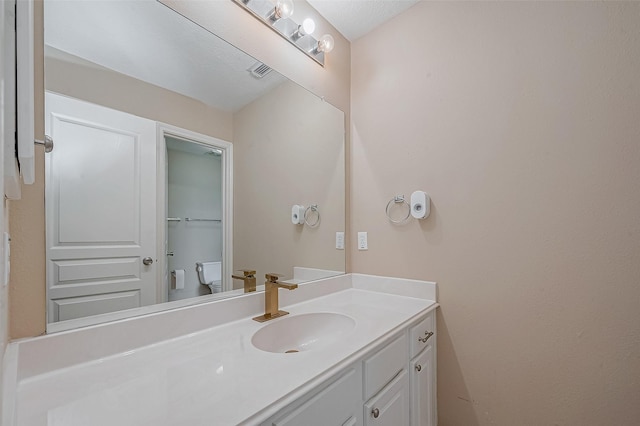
304	332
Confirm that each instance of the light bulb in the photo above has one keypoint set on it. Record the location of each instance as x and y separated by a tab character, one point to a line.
325	44
282	10
307	27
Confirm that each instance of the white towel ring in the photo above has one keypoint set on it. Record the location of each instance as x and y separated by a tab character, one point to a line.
308	213
398	199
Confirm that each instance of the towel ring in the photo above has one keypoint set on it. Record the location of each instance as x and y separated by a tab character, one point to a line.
307	215
398	199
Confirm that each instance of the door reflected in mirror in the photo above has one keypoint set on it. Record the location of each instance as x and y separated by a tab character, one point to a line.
178	159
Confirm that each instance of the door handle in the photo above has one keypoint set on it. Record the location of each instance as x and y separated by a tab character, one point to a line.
147	261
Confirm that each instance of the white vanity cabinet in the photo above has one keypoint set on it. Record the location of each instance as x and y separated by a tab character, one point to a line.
391	385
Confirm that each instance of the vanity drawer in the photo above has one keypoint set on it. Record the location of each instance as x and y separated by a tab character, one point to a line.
422	334
384	365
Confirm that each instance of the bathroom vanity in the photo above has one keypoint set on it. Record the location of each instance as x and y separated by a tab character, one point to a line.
392	384
361	351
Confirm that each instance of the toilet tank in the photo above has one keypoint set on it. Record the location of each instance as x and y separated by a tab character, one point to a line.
208	272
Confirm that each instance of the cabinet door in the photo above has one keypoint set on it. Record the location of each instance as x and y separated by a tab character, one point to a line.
336	405
390	407
423	397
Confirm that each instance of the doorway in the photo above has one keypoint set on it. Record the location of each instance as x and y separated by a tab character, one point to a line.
196	193
194	218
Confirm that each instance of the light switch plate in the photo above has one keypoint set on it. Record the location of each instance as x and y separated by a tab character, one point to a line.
340	240
362	241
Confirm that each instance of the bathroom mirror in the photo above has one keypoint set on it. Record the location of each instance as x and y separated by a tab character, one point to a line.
153	115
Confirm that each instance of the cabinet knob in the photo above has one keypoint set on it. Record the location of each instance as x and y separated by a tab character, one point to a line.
375	413
418	368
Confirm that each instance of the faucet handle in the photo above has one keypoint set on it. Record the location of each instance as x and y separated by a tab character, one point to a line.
248	272
273	277
249	279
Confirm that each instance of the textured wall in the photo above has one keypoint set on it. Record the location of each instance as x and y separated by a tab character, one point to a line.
521	121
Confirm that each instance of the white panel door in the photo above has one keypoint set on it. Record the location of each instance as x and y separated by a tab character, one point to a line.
101	209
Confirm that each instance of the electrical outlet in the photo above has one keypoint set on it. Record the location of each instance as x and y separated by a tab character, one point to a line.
362	241
340	240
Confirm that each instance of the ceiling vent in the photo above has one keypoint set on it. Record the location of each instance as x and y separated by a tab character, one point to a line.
259	70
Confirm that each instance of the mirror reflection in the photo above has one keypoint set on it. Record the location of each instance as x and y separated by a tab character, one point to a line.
178	161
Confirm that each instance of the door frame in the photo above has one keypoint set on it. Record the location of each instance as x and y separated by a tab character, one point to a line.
163	130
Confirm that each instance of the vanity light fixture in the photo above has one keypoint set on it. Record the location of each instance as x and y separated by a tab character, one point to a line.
276	14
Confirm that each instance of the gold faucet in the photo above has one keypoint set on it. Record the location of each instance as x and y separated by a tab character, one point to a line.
249	279
271	287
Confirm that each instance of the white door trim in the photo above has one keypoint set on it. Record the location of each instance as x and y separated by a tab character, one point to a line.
227	201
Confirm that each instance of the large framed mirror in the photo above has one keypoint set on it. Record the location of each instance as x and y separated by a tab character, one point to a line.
179	161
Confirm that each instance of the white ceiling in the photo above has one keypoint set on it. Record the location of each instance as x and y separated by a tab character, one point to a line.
150	42
355	18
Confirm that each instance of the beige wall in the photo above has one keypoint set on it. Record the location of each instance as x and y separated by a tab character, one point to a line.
4	290
113	90
26	288
521	121
289	147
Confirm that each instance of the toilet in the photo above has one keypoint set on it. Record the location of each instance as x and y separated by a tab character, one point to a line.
210	274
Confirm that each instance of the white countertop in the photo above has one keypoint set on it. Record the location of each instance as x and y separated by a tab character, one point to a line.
210	377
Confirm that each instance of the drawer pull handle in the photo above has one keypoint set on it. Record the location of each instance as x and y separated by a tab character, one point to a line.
418	368
375	413
424	339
